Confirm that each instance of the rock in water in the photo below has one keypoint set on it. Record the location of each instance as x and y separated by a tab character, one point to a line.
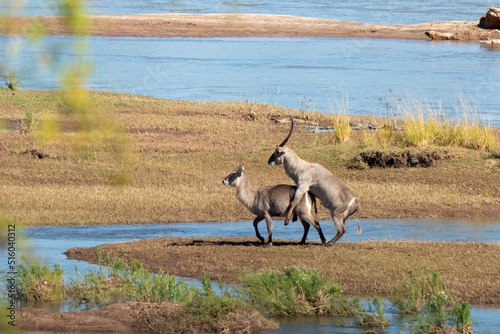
491	20
440	36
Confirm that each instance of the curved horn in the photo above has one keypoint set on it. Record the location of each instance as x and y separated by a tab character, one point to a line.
289	134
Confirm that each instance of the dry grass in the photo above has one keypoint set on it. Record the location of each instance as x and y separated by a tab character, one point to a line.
424	125
180	152
471	270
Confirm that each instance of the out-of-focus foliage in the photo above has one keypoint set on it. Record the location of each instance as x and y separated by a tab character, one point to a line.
80	123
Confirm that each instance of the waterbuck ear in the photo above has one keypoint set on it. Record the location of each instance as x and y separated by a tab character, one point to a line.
281	149
241	168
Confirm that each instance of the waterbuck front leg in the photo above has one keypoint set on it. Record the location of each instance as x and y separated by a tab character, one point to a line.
306	231
269	222
315	223
299	193
255	223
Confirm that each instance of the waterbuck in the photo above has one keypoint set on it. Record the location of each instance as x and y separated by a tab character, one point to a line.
273	201
320	182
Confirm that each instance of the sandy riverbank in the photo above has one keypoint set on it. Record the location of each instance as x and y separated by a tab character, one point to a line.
244	25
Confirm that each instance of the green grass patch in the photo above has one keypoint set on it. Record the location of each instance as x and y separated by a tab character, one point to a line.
292	292
119	280
424	295
206	314
39	282
296	292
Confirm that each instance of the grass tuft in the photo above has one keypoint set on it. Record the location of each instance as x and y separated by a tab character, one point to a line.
375	319
385	135
424	126
38	282
341	127
296	292
15	79
341	121
208	314
30	120
433	306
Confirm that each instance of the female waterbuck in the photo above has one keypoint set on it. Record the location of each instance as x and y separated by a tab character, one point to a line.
273	201
320	182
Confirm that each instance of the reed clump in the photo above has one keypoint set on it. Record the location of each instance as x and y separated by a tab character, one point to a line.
296	292
39	282
377	316
424	295
425	126
341	119
342	127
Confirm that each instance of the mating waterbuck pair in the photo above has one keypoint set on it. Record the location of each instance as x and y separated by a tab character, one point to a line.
312	181
268	202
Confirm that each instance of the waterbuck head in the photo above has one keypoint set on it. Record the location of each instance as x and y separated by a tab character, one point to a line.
233	179
278	155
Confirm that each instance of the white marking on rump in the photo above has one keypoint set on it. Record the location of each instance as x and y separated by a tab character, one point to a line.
308	202
346	212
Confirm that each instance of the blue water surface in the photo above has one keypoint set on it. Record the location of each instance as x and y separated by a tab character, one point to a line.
369	11
370	76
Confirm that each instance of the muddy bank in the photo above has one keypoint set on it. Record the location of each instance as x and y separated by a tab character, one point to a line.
470	270
134	317
245	25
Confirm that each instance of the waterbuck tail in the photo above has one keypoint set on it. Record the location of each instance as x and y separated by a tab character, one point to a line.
357	217
313	202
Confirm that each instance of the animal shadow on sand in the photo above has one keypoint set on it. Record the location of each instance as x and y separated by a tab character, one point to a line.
245	243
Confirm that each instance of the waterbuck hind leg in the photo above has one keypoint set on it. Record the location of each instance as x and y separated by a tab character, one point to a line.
339	224
315	223
255	223
306	231
269	222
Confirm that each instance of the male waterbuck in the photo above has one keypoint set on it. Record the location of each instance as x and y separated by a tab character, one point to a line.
273	201
320	182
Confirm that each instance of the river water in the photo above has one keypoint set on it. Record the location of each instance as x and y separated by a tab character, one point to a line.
370	11
302	73
51	241
318	74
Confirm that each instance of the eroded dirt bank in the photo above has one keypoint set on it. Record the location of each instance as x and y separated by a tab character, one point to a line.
134	317
244	25
470	270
